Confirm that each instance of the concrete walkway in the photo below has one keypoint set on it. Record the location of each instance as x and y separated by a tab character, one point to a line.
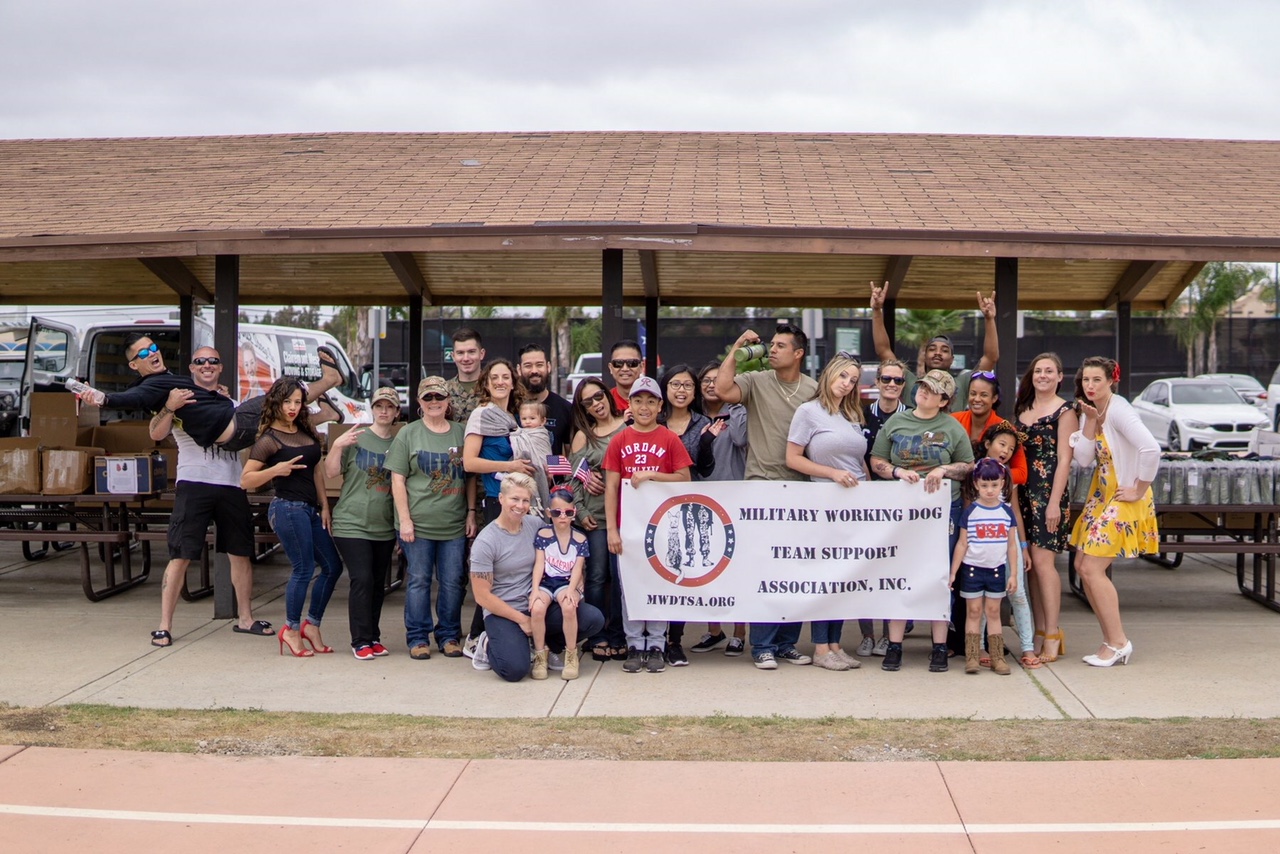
1199	652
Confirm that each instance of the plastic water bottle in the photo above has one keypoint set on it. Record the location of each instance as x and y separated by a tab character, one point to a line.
78	388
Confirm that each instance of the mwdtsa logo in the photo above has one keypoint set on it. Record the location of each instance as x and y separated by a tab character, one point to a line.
689	540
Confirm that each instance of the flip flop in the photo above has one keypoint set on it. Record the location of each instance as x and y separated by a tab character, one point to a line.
1030	661
259	627
329	359
161	635
324	401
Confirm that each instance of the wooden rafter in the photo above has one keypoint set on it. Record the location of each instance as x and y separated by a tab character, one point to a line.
1136	276
1187	278
181	280
406	268
649	273
895	273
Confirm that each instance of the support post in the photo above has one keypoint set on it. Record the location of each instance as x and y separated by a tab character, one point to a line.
226	321
651	305
1124	346
415	352
1007	329
610	302
186	330
891	329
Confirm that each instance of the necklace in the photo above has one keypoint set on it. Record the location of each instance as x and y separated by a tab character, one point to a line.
794	389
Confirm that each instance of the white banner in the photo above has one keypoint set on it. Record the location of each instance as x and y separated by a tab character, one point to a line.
769	552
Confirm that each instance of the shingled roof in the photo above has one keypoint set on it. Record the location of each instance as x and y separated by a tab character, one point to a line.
728	218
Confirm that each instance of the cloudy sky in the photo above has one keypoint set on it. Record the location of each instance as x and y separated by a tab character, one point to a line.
1139	68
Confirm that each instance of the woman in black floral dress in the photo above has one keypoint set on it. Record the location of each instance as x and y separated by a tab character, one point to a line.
1048	420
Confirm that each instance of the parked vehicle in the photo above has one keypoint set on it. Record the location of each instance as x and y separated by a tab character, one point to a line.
1273	401
90	345
11	365
867	388
1249	388
394	374
1187	414
588	365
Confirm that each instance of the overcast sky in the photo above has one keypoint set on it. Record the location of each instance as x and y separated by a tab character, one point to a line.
1149	68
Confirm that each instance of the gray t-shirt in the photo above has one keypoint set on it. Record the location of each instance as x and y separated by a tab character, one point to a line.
200	465
508	559
770	406
829	439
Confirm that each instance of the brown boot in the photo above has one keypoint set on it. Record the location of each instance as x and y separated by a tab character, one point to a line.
995	645
570	663
539	668
972	652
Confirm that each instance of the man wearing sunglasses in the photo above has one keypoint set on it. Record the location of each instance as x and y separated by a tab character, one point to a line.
626	365
208	488
211	419
937	354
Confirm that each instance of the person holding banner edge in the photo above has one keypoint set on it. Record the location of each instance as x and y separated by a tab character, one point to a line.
827	442
928	441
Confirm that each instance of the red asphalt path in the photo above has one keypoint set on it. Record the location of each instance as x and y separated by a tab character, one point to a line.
56	800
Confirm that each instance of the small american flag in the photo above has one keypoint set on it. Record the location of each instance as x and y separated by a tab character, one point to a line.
558	466
583	471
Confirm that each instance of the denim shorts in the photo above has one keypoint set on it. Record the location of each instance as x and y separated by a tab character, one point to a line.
976	582
552	584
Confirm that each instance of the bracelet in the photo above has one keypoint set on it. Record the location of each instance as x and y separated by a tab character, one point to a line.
894	473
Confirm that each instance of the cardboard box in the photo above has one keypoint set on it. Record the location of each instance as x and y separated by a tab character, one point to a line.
59	421
20	466
129	474
123	437
170	466
68	471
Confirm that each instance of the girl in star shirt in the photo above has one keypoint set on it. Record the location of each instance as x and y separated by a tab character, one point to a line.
642	452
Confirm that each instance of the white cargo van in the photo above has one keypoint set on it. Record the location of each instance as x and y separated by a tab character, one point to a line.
89	344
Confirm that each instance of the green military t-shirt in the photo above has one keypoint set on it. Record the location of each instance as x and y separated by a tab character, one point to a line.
923	444
364	508
432	467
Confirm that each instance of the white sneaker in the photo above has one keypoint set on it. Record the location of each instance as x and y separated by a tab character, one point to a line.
882	647
480	654
469	647
865	648
555	661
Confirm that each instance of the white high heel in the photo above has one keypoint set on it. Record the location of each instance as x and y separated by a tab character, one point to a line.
1119	655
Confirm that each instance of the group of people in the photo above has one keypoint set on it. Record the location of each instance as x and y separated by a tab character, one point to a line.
463	491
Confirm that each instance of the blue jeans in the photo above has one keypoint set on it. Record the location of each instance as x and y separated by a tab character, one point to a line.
308	544
445	559
509	645
826	631
773	637
598	577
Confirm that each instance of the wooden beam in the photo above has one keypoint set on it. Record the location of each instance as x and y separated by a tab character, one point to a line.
895	273
406	268
1133	280
649	273
1187	278
177	276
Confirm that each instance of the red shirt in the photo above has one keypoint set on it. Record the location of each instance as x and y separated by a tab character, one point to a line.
1017	465
658	450
623	403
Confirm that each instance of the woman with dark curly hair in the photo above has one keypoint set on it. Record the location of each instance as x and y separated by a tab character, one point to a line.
287	455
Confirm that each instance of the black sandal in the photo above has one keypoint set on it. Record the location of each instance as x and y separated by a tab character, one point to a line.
326	402
619	653
161	635
601	652
329	359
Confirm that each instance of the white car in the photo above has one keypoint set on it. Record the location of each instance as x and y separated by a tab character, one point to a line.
1250	389
588	365
1186	414
1273	401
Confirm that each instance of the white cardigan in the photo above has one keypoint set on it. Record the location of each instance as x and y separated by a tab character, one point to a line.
1134	450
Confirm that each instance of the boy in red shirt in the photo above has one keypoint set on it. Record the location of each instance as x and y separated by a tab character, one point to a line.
642	452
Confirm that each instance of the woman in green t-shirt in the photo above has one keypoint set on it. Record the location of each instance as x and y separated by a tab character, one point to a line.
435	507
363	521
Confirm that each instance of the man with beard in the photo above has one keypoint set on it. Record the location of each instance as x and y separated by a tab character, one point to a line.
938	353
534	370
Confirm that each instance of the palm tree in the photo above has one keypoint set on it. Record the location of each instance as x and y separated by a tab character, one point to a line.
558	325
919	326
1196	313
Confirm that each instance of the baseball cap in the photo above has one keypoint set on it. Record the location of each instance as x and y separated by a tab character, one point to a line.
432	384
646	384
940	382
385	393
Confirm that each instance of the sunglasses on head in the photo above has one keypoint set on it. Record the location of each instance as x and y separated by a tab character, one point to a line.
145	352
892	380
852	357
556	512
625	363
984	375
434	397
206	360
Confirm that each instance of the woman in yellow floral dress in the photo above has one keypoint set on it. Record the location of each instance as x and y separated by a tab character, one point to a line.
1119	519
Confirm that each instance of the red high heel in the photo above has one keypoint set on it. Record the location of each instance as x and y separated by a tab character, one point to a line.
298	653
303	631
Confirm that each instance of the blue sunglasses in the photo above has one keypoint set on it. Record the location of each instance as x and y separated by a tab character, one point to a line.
145	352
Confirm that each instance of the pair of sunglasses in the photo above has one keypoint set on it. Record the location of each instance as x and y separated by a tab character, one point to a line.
205	360
145	352
625	363
556	512
892	380
433	397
